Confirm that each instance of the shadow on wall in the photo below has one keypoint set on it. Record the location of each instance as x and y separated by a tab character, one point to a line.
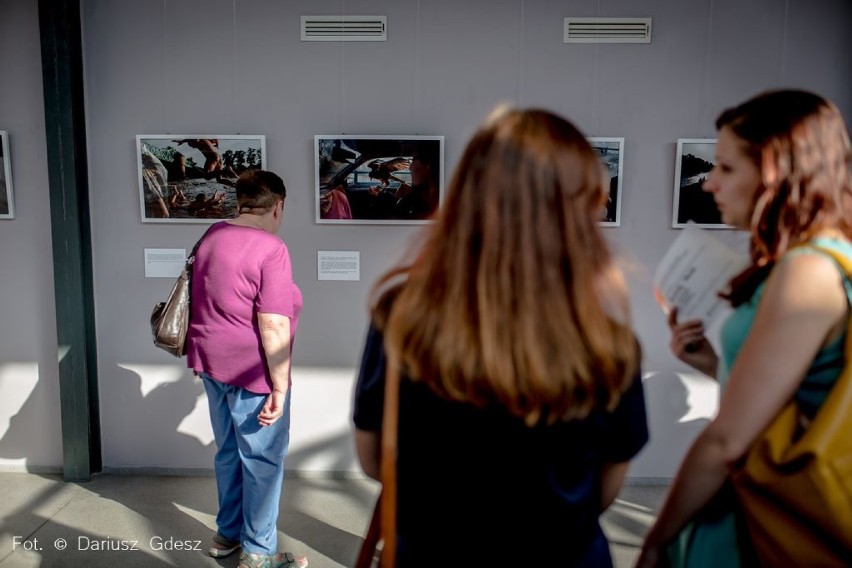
155	416
26	432
153	419
679	406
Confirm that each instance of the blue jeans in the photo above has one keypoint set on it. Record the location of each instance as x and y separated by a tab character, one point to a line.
249	465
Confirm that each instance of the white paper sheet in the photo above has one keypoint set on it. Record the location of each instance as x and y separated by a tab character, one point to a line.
693	271
338	265
164	263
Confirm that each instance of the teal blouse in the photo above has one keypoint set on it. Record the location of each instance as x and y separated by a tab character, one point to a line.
828	362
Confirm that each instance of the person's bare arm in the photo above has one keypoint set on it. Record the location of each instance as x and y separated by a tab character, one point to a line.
612	480
368	447
803	305
275	337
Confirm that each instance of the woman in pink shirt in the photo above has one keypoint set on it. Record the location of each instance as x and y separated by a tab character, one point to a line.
244	313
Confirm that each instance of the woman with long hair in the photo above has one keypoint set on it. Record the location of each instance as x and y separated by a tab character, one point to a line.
520	400
783	174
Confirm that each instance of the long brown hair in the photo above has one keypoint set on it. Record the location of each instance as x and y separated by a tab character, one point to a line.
514	298
800	144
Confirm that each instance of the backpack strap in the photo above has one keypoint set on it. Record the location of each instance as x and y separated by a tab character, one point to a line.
843	263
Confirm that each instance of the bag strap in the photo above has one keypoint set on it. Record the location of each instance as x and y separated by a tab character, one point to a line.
371	540
191	256
390	436
845	264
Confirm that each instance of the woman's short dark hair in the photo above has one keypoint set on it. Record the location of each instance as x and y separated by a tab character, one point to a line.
259	189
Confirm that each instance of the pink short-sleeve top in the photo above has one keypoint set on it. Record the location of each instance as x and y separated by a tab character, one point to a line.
238	272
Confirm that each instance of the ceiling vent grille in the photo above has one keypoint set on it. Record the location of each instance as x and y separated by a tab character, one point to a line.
607	30
344	28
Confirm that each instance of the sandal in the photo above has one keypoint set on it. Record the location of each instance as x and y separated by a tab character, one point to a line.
280	560
223	547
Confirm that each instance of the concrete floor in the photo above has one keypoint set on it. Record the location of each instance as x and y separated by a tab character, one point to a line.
158	515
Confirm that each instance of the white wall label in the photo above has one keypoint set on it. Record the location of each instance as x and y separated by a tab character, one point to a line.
338	265
164	263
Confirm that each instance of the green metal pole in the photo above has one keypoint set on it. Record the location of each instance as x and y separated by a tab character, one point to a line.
64	112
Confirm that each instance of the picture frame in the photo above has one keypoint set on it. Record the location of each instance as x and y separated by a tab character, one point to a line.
7	199
694	159
611	151
189	178
377	179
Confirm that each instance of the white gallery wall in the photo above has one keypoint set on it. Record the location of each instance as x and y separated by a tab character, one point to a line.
30	435
239	67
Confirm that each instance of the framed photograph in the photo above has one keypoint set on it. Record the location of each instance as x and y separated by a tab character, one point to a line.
612	154
7	202
189	178
391	180
693	162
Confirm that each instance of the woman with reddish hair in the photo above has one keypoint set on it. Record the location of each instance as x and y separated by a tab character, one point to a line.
520	399
783	174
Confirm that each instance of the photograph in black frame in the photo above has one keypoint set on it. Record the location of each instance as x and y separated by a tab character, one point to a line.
611	151
7	202
376	179
691	204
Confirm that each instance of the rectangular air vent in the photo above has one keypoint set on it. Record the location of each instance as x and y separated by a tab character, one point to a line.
344	28
607	30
